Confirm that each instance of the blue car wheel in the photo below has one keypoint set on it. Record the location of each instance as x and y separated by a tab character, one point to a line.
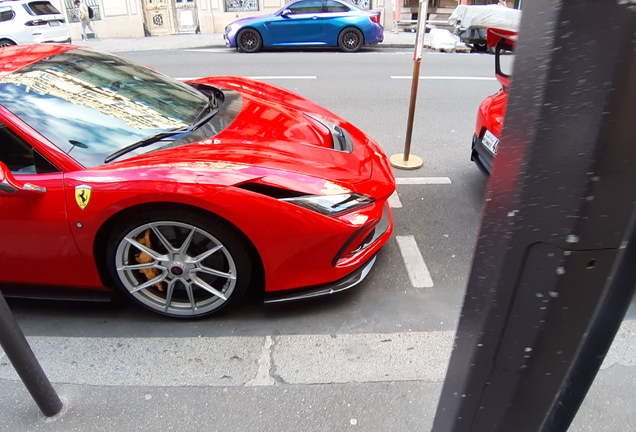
249	40
350	39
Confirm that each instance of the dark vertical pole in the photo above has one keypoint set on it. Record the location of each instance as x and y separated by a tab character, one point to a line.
553	272
26	365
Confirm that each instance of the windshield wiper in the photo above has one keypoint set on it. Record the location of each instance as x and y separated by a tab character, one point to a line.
144	142
208	111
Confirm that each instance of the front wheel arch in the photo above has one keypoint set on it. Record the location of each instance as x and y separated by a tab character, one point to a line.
6	42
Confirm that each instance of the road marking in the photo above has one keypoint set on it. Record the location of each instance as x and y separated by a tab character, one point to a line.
464	78
394	200
214	50
284	77
415	265
422	180
264	77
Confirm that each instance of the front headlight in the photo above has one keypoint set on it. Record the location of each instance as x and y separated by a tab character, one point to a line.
230	27
331	205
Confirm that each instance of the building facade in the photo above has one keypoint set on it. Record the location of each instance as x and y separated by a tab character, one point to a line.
137	18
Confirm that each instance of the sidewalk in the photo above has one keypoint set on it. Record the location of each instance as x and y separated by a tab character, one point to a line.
208	40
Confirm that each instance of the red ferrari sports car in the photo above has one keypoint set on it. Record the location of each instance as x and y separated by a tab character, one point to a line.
492	110
182	195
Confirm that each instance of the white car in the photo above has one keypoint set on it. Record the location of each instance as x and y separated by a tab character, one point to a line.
31	21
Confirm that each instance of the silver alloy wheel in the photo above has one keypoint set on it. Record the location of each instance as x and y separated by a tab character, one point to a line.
6	43
176	268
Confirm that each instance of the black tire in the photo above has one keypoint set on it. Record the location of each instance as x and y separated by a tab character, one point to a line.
350	39
249	40
6	42
199	264
481	47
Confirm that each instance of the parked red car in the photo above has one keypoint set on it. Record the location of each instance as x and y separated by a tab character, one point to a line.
492	110
182	195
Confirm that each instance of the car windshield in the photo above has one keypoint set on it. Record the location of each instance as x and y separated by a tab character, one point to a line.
91	104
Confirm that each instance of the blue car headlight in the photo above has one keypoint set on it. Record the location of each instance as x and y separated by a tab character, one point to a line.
231	27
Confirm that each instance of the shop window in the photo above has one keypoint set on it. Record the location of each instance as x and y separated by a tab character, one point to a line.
362	4
241	5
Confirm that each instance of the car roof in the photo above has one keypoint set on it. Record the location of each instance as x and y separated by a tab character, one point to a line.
13	58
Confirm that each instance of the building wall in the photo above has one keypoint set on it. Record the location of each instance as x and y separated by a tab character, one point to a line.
125	18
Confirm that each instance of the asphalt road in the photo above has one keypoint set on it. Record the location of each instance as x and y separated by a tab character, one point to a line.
372	358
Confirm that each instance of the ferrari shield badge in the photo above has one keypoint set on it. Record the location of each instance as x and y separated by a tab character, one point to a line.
83	195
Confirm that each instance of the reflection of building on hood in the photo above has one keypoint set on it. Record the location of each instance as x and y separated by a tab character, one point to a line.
106	101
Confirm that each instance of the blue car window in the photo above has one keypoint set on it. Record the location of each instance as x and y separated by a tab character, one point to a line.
306	6
334	6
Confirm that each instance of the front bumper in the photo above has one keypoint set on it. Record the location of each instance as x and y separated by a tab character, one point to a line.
481	156
345	283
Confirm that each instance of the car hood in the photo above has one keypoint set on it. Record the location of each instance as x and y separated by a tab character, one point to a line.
273	130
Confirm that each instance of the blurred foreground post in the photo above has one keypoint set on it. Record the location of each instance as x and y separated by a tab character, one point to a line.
553	272
26	365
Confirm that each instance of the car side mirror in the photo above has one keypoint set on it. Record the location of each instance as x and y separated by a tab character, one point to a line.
10	187
285	13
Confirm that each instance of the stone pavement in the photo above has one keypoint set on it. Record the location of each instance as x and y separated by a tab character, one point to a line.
208	40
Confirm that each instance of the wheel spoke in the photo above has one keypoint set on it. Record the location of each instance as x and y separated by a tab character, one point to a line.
186	243
162	239
169	293
149	283
208	288
142	266
154	255
213	272
193	303
197	259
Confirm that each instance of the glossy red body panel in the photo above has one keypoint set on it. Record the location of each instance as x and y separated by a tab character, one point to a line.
271	141
491	114
24	55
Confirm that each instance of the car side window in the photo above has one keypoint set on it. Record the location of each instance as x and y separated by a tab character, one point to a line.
6	13
334	6
20	157
306	6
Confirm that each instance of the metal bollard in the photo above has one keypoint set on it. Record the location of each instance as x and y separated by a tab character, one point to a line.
26	365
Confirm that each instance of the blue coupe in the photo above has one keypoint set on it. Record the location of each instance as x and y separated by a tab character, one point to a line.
308	22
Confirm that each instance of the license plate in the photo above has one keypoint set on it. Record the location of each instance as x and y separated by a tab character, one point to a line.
54	23
491	142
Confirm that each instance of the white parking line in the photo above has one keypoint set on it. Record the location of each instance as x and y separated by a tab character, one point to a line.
394	200
215	50
415	265
422	180
464	78
284	77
